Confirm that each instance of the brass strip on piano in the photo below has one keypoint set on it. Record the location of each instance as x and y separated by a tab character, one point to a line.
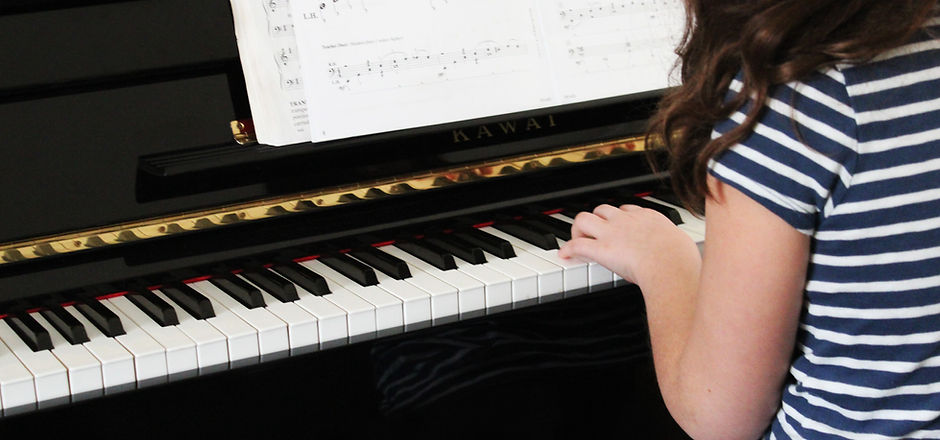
273	207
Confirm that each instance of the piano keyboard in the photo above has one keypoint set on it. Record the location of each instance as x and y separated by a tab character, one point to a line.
103	342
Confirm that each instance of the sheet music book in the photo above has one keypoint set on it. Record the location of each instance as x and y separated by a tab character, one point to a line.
331	69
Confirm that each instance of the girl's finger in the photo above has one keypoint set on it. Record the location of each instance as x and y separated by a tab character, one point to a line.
587	225
606	211
580	248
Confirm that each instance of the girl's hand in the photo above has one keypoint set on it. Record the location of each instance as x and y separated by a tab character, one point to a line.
639	244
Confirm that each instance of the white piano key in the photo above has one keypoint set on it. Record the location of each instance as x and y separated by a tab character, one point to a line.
149	356
575	273
241	338
117	364
692	225
271	332
84	370
360	314
49	375
599	277
523	281
550	276
302	332
389	317
17	387
211	345
416	303
444	302
332	321
471	298
497	288
180	350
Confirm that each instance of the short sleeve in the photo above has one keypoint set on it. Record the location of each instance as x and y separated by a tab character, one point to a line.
799	156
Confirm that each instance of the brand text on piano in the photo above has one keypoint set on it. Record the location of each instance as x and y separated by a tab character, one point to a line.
504	129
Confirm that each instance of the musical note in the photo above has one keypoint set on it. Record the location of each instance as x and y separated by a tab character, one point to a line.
435	4
335	8
273	5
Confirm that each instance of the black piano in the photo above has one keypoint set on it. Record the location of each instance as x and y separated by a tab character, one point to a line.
136	209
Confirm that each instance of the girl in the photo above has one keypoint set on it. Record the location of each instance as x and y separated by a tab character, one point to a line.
809	132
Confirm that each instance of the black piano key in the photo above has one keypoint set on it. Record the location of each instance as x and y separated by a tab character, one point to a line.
490	243
547	223
429	253
302	276
532	220
459	248
383	261
671	213
544	240
572	212
63	321
587	202
243	292
190	300
155	307
352	269
667	195
101	316
571	208
30	331
276	285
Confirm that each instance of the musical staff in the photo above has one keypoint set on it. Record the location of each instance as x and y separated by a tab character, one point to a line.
332	9
612	38
288	67
426	66
278	14
612	57
574	17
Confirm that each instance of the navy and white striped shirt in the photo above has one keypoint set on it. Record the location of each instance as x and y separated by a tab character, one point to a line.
861	177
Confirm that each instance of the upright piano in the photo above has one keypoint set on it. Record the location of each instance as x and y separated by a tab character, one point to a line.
162	275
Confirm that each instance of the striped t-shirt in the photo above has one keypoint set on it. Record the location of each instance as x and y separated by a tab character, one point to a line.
851	157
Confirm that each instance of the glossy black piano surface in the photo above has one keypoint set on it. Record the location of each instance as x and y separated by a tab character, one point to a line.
119	111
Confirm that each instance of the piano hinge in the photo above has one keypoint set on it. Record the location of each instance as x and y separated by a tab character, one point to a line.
244	131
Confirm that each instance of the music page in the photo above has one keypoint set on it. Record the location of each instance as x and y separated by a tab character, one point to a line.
376	66
320	70
601	49
264	30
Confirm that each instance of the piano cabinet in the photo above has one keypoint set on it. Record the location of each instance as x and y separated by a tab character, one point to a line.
121	177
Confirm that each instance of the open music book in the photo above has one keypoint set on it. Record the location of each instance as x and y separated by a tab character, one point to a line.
331	69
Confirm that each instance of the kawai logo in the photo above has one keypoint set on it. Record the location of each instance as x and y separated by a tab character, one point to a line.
503	129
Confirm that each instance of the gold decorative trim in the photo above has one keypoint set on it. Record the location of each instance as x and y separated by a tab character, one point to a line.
285	205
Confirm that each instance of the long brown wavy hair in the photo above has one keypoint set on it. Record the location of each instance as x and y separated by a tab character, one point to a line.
770	42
